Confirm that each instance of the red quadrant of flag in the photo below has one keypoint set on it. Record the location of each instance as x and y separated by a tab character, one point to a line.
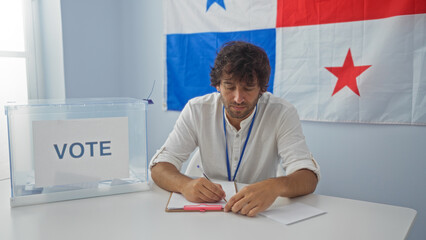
292	13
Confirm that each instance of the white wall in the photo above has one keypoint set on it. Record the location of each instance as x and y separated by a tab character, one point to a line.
115	48
92	47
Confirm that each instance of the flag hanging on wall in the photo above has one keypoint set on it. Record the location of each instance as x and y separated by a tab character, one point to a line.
335	60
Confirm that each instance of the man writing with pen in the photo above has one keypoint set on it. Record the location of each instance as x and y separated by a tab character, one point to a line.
243	134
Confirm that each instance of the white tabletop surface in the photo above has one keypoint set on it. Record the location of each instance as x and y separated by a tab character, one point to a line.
141	215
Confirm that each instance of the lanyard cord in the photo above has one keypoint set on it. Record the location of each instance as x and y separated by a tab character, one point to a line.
244	147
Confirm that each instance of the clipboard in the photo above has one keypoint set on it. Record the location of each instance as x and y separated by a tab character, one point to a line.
178	203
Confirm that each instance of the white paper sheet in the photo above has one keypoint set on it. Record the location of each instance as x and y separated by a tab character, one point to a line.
178	201
72	151
292	213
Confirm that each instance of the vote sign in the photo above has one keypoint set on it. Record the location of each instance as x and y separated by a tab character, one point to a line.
80	150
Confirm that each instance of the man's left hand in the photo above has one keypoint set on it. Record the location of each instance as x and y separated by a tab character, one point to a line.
259	196
253	198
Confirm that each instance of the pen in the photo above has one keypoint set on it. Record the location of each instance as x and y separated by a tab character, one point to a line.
205	175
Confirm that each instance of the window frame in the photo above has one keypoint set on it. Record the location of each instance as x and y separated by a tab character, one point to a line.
38	34
31	39
33	71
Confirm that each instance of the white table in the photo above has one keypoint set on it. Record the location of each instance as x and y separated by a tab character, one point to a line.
141	216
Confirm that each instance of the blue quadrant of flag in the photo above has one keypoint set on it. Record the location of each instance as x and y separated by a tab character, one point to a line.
191	56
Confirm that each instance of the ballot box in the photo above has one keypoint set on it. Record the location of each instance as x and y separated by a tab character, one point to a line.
76	148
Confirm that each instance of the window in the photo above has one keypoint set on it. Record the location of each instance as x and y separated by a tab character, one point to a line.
16	61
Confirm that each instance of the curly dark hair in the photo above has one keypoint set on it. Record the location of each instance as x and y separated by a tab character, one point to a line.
243	61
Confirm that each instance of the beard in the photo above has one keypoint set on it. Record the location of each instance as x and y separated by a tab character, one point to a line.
239	111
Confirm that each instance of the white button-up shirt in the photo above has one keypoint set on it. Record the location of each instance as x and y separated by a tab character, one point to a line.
276	139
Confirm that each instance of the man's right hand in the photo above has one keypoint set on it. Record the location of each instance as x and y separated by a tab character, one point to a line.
202	190
169	178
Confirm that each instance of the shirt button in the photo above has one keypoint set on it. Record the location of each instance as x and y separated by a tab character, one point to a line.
238	135
236	159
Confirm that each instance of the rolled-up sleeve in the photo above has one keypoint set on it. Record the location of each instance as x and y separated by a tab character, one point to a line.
181	142
292	147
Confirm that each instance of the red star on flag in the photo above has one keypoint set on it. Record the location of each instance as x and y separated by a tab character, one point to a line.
346	75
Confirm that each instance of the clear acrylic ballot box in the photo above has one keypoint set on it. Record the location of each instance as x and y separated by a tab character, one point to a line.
76	148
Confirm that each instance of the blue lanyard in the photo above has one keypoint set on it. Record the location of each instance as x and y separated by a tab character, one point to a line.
244	147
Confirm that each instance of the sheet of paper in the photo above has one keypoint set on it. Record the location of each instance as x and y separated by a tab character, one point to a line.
75	151
292	213
178	201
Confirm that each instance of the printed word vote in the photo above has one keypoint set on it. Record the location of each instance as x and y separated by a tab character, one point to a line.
77	149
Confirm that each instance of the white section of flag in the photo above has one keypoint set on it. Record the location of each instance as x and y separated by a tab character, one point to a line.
240	15
392	90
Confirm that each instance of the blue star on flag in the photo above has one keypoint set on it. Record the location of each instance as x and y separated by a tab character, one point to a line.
219	2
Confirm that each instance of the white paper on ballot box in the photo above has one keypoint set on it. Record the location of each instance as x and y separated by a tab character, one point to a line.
80	150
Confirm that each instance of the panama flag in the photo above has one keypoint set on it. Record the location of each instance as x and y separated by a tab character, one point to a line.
335	60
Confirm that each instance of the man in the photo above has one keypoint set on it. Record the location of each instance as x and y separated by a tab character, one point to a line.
242	133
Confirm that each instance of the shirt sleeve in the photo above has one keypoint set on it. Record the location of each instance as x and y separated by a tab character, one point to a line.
292	147
180	143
